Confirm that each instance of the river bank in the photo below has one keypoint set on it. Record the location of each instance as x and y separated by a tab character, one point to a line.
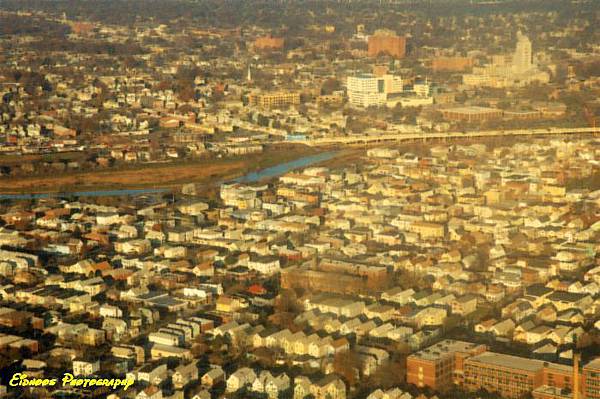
246	171
155	176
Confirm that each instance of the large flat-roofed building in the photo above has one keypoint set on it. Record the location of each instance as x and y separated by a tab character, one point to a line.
452	64
441	365
471	114
336	276
473	367
366	90
510	376
428	230
558	376
385	41
274	99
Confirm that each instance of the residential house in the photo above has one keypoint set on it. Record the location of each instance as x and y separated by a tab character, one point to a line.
213	376
503	328
464	305
85	367
184	374
394	393
329	387
151	392
241	378
430	316
398	295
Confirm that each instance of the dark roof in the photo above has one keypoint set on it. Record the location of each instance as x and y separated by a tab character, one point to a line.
327	380
565	296
537	290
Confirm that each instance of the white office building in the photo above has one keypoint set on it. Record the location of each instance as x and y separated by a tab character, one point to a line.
368	90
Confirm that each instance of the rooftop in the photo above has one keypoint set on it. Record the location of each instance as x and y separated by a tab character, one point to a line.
507	361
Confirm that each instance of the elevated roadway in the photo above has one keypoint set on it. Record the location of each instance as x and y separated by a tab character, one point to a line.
408	137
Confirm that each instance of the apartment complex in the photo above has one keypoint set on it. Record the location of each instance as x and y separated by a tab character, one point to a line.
473	367
274	99
385	41
440	365
511	376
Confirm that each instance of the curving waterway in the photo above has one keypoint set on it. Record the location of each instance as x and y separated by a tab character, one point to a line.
282	168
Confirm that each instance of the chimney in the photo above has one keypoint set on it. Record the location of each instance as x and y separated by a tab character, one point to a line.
576	357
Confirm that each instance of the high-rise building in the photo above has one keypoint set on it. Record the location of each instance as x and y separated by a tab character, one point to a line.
366	90
522	56
385	41
516	70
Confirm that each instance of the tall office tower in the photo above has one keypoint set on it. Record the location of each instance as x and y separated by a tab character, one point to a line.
522	57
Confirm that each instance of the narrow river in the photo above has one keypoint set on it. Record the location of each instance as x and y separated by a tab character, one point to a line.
267	173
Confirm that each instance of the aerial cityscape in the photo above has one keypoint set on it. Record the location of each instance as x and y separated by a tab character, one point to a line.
300	199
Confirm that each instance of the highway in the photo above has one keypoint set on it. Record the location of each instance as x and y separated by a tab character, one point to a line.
400	137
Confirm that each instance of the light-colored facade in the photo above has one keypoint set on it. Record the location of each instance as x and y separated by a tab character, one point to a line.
367	90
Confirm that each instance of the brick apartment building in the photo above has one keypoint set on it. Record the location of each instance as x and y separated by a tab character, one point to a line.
513	376
440	365
274	99
451	64
473	367
386	42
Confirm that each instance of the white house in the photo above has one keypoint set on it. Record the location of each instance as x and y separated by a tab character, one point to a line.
264	264
84	368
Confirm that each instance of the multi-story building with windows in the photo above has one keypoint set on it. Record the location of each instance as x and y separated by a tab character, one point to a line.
513	376
385	41
472	367
440	365
366	90
274	99
510	376
591	379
